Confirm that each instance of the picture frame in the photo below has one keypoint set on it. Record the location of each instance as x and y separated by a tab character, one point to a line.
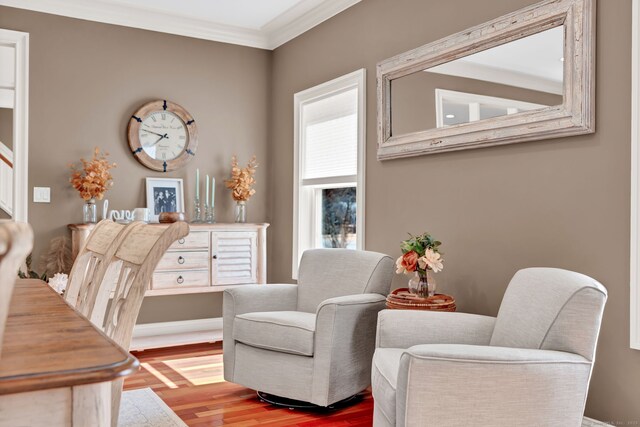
164	195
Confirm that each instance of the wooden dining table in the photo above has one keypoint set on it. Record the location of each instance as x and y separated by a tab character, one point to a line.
56	367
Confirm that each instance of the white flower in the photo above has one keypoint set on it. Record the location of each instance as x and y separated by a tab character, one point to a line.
431	260
59	282
399	267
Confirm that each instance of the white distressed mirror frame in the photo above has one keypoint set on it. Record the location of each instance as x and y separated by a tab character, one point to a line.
575	116
20	41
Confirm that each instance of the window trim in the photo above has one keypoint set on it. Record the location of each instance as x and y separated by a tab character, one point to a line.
352	80
634	338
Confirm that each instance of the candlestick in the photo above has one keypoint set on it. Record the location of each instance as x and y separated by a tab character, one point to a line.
197	212
206	192
213	192
197	183
209	214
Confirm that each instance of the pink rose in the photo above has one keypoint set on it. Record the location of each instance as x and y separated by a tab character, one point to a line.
410	261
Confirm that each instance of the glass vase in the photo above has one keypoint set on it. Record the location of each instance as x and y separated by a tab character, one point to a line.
90	212
197	212
423	284
241	212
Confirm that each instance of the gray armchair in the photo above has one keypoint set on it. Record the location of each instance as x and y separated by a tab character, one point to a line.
313	341
530	366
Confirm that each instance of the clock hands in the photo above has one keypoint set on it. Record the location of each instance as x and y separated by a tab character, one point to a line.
159	139
148	131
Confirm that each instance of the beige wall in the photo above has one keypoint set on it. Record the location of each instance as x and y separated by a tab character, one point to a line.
88	78
562	203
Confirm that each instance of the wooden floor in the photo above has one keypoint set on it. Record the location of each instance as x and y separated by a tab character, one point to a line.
189	379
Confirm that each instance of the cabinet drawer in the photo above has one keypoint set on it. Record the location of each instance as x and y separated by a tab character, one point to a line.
180	279
195	239
184	260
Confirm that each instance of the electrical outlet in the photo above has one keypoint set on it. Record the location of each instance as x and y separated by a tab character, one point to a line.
41	195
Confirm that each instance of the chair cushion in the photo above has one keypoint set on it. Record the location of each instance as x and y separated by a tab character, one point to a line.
284	331
384	380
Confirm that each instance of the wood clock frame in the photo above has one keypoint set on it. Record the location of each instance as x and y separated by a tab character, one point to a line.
133	136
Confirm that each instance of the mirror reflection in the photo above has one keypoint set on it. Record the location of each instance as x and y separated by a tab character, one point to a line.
522	75
7	96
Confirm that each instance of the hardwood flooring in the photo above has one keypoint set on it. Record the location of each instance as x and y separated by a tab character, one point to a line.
189	380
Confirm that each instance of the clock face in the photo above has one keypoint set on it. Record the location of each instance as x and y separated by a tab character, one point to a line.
163	135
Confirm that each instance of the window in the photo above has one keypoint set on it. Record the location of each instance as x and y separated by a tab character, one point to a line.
329	138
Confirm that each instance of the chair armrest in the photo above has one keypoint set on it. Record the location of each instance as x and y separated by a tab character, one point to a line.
406	328
351	300
249	299
252	298
344	345
484	385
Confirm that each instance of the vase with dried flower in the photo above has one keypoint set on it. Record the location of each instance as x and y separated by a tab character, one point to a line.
92	179
241	185
420	257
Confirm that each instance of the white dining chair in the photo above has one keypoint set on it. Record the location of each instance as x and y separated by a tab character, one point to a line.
16	242
134	260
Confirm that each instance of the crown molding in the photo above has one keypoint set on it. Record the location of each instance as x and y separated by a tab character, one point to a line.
301	18
280	30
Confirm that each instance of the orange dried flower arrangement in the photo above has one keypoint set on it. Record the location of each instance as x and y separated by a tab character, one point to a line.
242	179
94	178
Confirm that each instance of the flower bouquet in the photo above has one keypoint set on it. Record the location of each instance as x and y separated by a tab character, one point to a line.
420	256
92	180
241	184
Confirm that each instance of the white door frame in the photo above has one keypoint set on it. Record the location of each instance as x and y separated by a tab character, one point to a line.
634	339
20	41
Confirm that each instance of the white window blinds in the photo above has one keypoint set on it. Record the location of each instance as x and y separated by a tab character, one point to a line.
330	136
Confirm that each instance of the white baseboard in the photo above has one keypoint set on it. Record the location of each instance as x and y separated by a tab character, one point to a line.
170	334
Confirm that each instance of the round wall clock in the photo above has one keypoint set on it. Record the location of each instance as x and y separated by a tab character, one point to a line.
162	135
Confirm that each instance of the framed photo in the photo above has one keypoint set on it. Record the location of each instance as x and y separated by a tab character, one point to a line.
164	195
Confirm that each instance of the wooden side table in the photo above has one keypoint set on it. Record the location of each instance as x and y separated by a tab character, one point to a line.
402	299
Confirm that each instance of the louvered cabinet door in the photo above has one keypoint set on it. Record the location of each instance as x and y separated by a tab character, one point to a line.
234	257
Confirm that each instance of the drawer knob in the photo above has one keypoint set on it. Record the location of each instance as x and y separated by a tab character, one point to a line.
215	257
180	280
181	241
180	260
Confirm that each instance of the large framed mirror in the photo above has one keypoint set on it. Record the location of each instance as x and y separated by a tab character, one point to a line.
525	76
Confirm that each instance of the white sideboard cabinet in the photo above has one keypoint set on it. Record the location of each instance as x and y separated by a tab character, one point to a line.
210	258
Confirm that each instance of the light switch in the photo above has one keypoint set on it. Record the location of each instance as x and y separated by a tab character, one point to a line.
41	194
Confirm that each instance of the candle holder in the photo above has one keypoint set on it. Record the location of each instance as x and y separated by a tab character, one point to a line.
209	214
197	212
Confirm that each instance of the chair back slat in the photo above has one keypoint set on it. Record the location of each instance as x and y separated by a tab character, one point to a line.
128	277
91	264
16	242
138	256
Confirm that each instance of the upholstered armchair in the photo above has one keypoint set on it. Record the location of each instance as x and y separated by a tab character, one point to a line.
530	366
314	341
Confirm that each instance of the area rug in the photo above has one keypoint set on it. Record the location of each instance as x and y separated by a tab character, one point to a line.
143	408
